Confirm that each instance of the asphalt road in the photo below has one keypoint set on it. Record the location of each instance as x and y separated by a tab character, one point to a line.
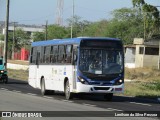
19	96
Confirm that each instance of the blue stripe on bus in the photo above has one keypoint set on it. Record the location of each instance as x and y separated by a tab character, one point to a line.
68	41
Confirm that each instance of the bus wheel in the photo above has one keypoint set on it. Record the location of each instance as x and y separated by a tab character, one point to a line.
5	80
43	88
108	96
68	94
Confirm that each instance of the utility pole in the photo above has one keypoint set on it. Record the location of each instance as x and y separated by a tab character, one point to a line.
6	34
72	23
13	44
159	57
46	31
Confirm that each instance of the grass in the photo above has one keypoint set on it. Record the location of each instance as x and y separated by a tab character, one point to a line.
147	82
142	89
18	74
142	74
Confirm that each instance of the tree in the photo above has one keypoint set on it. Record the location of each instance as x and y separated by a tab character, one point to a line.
79	26
38	36
151	18
22	39
126	24
57	32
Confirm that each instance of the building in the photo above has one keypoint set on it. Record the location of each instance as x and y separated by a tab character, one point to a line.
30	29
142	54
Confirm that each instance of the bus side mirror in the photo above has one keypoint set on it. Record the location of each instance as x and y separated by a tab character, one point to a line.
4	64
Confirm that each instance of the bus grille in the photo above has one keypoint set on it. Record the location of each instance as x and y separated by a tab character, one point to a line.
101	88
102	78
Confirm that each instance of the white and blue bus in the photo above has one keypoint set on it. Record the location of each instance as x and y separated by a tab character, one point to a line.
78	65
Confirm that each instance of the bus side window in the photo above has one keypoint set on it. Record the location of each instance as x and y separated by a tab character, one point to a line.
47	54
42	53
51	55
68	53
61	56
33	55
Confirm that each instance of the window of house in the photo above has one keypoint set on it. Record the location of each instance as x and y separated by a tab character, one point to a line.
151	51
141	50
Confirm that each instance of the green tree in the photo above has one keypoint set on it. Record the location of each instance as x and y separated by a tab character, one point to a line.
79	26
22	39
38	36
151	18
57	32
96	29
126	24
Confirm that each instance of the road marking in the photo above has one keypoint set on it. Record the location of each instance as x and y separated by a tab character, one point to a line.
31	94
67	101
16	91
4	89
48	97
141	103
112	109
88	104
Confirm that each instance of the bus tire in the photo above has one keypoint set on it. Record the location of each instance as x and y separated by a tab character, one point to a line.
43	87
5	80
68	94
108	96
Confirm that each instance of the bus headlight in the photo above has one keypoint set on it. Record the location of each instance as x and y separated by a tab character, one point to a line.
2	71
82	80
119	82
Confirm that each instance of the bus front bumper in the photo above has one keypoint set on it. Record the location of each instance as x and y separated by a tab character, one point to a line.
82	88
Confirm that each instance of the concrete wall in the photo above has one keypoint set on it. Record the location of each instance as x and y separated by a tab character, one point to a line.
142	60
138	57
150	61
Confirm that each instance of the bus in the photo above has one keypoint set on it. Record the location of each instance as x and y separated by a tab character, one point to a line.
79	65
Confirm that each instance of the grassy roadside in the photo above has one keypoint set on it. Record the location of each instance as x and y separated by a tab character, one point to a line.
147	82
18	74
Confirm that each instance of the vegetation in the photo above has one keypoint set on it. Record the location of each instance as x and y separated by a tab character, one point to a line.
141	21
145	82
18	74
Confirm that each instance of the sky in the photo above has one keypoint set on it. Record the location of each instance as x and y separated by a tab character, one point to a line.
38	11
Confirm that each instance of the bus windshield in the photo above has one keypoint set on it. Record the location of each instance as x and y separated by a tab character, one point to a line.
101	61
1	62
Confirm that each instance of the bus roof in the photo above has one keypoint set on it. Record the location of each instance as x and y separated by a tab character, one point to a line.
69	41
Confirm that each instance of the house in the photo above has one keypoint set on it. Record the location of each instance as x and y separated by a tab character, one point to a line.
142	53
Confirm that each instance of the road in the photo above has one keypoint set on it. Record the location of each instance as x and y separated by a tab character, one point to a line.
19	96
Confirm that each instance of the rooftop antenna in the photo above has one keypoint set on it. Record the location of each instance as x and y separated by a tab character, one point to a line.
59	12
